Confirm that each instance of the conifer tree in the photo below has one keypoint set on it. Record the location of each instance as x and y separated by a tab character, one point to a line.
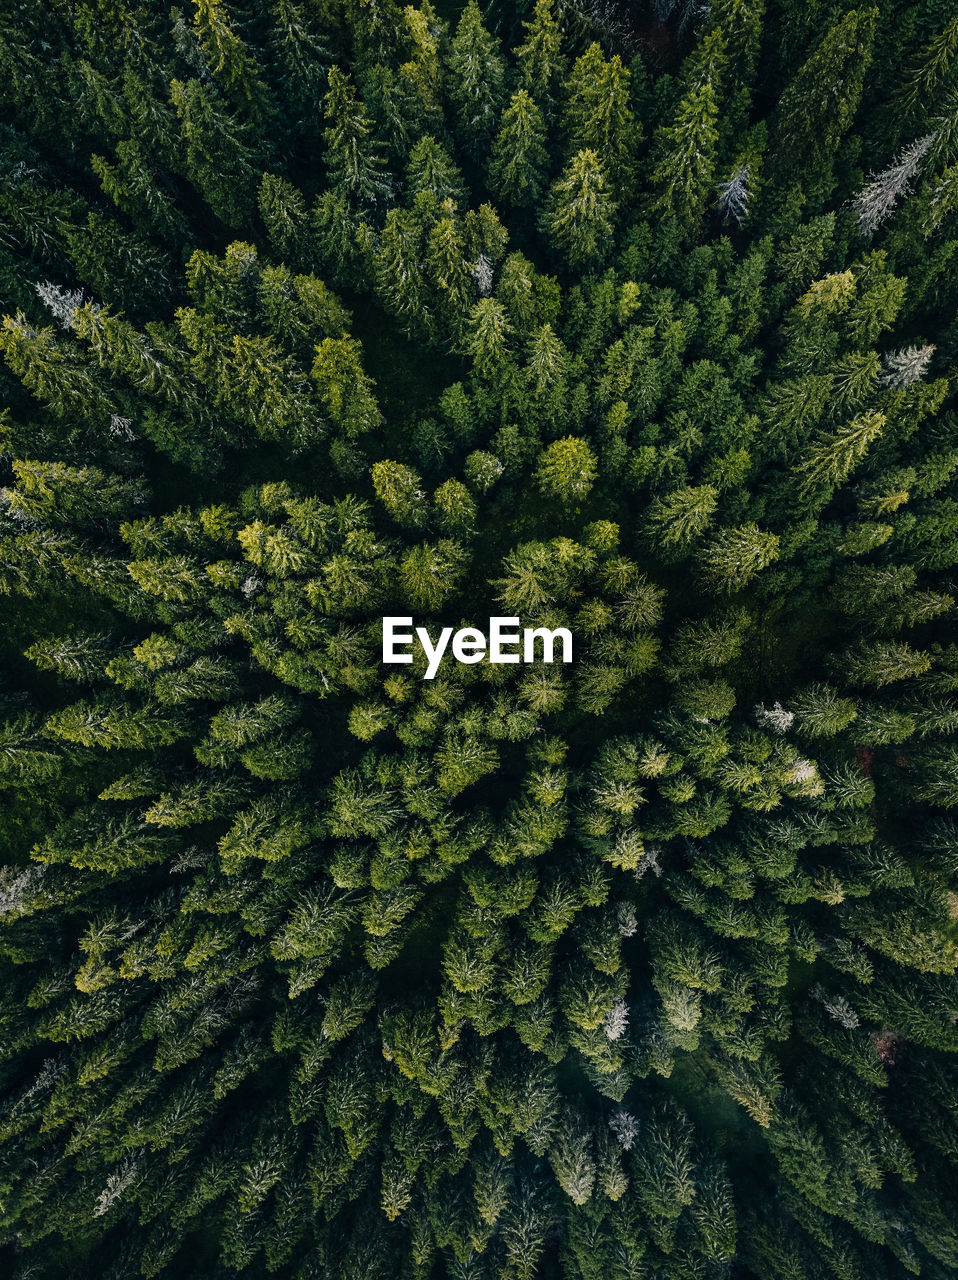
541	59
566	470
580	214
219	159
352	154
817	108
684	173
476	78
228	59
519	161
431	169
598	116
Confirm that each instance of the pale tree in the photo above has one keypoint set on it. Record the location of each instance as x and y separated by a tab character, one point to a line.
625	1127
774	718
837	1007
876	202
63	304
734	195
902	368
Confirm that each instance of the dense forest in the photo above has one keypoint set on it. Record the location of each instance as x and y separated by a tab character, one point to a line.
633	319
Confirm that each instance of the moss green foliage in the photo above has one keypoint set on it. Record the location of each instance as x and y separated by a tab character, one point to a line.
633	319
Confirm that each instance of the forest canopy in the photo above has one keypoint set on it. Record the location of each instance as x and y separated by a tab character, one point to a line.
635	322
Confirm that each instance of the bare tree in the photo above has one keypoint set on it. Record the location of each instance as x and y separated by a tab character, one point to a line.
902	368
63	304
876	202
733	196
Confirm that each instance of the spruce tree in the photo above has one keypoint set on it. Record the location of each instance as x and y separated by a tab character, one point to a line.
580	214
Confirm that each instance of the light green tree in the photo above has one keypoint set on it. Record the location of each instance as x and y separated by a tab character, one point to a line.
579	220
566	470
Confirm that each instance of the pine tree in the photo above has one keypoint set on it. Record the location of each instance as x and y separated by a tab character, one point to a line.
580	214
344	388
301	49
566	470
834	457
397	269
734	556
399	488
353	161
229	60
518	163
448	269
598	117
682	516
488	338
816	110
541	60
685	172
928	69
220	162
821	711
134	185
283	210
476	81
431	169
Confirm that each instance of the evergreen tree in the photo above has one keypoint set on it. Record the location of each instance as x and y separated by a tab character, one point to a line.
541	60
566	470
580	214
352	155
228	59
598	117
519	161
219	159
476	79
685	172
817	109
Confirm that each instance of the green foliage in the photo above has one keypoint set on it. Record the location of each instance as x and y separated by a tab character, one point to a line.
581	212
566	470
635	323
519	160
